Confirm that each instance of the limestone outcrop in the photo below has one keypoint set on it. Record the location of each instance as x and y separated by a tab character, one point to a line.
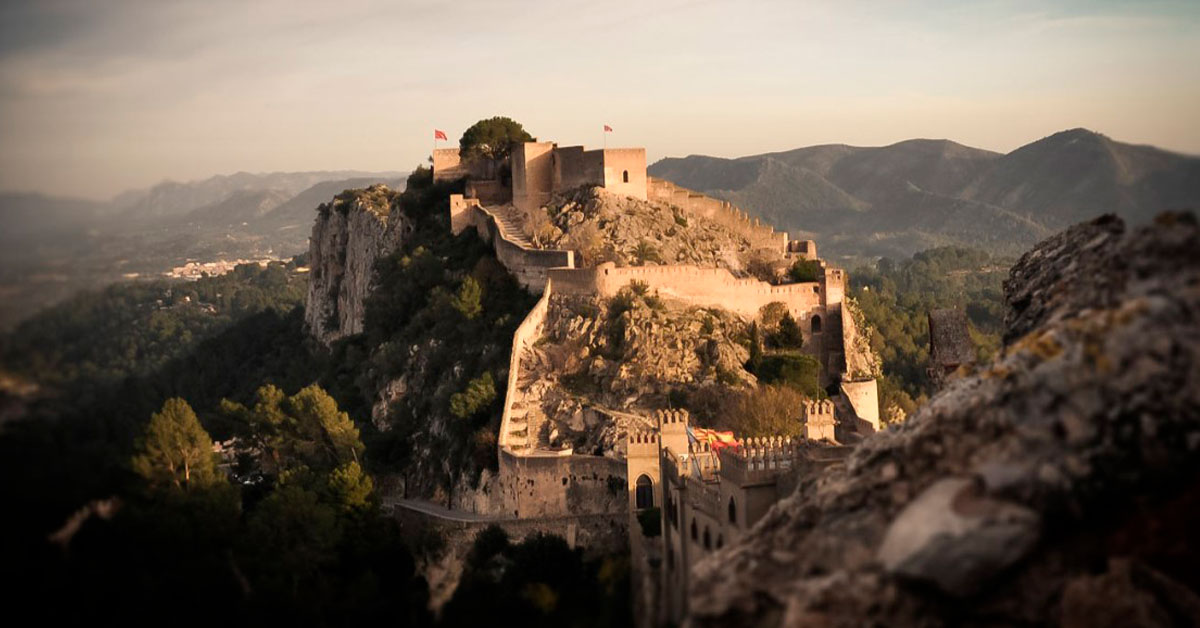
1057	485
598	360
350	233
630	231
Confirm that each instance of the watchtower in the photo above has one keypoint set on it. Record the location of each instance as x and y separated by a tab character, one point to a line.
644	473
819	423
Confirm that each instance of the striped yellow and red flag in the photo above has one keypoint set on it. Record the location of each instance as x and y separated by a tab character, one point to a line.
715	439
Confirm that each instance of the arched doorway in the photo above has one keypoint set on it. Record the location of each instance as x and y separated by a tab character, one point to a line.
816	323
625	177
644	492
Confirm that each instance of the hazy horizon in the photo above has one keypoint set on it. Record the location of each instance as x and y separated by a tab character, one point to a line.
95	100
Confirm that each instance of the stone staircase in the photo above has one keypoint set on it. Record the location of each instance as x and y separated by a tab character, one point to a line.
511	225
519	436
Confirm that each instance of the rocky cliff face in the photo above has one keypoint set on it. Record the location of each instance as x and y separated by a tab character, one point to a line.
1057	485
351	232
601	360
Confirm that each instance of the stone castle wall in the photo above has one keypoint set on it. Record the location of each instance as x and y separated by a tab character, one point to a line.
718	211
529	265
548	485
712	287
527	333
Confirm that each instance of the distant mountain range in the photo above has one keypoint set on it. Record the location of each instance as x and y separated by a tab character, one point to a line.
52	247
896	200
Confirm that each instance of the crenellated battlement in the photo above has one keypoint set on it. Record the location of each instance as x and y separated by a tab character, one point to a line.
819	420
671	416
721	212
706	287
759	460
643	438
642	444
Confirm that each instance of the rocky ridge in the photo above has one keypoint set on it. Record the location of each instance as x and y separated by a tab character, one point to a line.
1057	485
599	359
628	231
350	233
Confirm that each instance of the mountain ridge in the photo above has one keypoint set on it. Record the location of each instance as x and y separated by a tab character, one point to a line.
895	200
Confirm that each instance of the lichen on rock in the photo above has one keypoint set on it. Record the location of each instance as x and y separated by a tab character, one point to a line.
1081	438
607	227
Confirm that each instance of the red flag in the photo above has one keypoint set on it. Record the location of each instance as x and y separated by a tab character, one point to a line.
607	129
440	135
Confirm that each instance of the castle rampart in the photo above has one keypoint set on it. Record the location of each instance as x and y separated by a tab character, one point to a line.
513	426
863	396
718	211
448	165
543	484
529	265
706	287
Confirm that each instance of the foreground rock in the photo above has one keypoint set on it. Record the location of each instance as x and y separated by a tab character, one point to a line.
1057	485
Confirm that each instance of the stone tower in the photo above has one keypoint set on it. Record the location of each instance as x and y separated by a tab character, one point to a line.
818	420
642	464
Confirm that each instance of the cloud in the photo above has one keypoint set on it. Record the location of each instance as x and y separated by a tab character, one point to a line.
97	96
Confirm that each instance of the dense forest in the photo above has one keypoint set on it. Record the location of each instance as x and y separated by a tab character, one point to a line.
135	328
896	297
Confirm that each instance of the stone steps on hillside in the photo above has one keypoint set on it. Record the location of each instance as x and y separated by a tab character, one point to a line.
511	226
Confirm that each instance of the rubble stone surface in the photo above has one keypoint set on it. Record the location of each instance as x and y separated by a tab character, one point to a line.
1077	447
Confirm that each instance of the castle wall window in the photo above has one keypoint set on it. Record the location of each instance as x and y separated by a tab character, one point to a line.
816	324
695	533
625	177
720	541
707	540
732	511
644	493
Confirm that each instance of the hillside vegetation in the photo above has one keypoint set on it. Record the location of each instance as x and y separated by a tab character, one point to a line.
135	328
896	298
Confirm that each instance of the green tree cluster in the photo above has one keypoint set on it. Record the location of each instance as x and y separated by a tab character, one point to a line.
99	338
492	138
176	453
805	270
896	298
479	395
306	545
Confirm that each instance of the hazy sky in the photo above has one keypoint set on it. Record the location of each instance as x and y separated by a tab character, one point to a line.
100	96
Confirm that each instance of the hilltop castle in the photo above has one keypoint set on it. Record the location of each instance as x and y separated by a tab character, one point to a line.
704	497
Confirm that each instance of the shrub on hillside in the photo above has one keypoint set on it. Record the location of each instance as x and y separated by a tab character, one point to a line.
805	270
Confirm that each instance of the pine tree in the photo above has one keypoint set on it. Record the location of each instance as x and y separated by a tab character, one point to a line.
175	453
350	487
789	335
756	357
